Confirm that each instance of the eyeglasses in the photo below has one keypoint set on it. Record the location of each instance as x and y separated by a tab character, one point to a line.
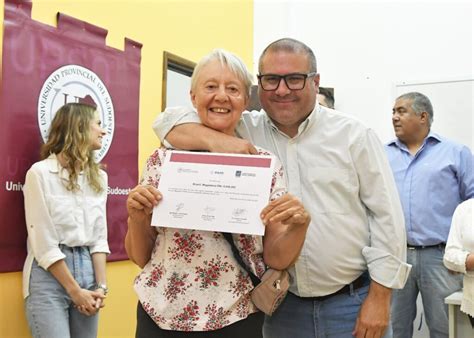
294	81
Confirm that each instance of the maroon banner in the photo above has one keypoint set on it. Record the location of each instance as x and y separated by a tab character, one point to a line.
43	68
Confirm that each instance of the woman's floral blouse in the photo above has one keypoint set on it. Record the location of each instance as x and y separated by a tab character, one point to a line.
192	281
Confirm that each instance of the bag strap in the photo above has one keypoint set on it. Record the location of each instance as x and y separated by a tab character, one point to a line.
238	258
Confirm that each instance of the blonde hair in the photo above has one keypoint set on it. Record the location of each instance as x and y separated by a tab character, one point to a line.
69	134
232	61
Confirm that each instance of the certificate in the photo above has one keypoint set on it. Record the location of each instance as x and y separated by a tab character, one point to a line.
214	192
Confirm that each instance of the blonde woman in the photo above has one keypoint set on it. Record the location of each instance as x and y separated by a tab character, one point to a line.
64	280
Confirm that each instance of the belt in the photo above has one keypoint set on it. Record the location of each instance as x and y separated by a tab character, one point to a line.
358	283
415	247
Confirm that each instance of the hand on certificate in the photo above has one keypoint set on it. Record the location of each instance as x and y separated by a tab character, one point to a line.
141	201
286	209
286	222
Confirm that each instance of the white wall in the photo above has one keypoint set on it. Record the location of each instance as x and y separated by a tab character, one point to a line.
365	48
177	91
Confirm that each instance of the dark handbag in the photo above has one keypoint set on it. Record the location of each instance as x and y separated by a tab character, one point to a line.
269	292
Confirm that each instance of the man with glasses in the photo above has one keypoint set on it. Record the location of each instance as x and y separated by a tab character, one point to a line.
338	168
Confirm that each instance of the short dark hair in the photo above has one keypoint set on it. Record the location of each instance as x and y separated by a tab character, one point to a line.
328	94
292	46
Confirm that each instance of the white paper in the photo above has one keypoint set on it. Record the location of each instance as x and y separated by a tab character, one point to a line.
214	192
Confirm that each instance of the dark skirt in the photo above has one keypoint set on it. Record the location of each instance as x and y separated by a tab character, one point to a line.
250	327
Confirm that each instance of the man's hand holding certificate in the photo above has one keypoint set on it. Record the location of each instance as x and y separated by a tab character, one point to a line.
214	192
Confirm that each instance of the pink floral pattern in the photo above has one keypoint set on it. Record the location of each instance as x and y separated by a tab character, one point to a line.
177	285
154	277
192	281
186	245
241	285
247	251
217	317
276	177
210	274
242	308
186	320
155	160
152	313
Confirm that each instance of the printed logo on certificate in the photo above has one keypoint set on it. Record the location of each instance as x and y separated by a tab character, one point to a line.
214	192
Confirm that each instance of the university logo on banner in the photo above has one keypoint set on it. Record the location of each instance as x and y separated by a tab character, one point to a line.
74	83
43	68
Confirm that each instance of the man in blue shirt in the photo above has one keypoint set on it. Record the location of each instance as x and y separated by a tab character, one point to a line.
433	176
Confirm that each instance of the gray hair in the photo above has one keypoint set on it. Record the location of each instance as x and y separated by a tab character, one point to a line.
420	103
291	46
228	59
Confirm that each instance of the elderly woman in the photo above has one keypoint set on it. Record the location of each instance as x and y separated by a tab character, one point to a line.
459	253
175	296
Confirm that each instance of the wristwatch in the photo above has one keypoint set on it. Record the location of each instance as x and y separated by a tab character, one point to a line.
103	287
